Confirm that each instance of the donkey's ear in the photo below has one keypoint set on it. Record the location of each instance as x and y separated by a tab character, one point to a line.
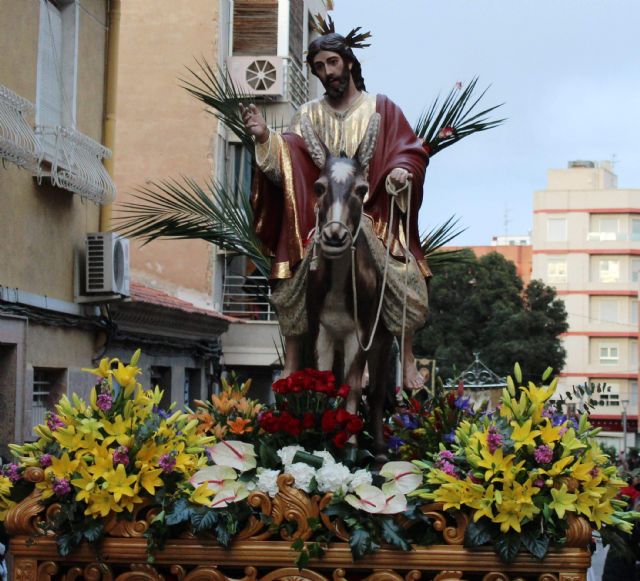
368	144
317	150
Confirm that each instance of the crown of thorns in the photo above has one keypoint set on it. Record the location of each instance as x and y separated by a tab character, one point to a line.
355	38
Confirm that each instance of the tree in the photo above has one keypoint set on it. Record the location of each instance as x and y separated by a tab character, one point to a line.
481	305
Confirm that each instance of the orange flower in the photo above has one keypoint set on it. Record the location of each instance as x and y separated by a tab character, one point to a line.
222	403
205	421
220	431
239	426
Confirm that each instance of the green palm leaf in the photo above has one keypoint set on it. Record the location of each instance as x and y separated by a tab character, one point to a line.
446	123
184	210
433	241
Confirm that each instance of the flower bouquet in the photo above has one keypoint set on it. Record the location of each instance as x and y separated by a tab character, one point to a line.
525	471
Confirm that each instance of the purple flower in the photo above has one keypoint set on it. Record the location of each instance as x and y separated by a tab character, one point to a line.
45	461
450	437
463	403
539	483
167	462
558	420
61	486
408	421
594	471
105	401
446	455
12	472
162	413
547	413
494	440
394	443
447	467
543	454
121	456
54	422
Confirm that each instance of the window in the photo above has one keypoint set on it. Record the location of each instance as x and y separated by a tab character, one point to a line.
608	310
192	385
48	386
633	396
609	354
635	228
633	316
161	377
255	27
608	270
57	67
239	170
635	270
557	229
557	270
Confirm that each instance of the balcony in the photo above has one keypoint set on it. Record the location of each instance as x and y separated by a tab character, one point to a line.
247	297
18	143
76	163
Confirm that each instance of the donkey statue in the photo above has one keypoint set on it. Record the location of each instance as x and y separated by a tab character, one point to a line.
336	322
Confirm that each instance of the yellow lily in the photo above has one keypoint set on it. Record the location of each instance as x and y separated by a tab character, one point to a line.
523	435
563	500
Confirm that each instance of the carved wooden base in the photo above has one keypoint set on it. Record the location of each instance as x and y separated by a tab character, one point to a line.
125	559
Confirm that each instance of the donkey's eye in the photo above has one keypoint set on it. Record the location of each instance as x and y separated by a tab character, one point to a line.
362	190
319	188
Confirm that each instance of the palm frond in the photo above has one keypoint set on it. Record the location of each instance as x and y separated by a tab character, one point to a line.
433	241
446	123
216	89
182	209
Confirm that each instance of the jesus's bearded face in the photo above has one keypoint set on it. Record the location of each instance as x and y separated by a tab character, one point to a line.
333	72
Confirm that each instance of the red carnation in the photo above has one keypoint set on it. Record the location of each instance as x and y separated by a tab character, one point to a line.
340	439
342	416
328	421
343	391
355	424
308	420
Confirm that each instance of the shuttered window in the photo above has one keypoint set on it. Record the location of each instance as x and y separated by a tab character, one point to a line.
296	28
255	27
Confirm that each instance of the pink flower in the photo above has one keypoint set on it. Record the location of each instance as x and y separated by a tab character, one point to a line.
104	401
54	422
445	132
121	456
61	486
45	461
167	462
494	440
543	454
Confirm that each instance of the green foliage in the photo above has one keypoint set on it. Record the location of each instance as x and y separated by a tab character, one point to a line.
482	305
447	122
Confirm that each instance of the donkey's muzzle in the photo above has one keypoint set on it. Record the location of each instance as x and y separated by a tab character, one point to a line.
334	241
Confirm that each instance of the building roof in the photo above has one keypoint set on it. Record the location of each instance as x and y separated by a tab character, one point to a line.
144	294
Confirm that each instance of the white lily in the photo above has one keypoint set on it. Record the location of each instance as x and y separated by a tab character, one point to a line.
231	492
368	498
395	504
238	455
215	477
402	478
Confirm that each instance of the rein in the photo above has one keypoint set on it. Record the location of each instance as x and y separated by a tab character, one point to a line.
317	231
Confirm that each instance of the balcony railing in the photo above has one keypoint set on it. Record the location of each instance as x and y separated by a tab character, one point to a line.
18	143
296	85
76	163
247	297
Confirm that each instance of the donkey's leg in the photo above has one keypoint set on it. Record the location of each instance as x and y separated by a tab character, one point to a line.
353	367
325	348
378	360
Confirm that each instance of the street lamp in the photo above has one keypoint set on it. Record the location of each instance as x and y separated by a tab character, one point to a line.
625	403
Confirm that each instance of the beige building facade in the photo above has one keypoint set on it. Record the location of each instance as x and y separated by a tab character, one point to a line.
163	133
52	187
586	243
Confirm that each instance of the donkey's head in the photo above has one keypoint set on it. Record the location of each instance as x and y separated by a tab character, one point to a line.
340	188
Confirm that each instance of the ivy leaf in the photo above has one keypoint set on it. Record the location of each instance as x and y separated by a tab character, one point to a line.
341	510
507	546
64	544
536	542
302	560
204	521
393	533
93	531
223	536
268	456
297	545
360	543
477	533
179	513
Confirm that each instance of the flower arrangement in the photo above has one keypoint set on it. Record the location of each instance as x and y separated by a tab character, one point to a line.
417	429
310	408
230	413
111	455
523	471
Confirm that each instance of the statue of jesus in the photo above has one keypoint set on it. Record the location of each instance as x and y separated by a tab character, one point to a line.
283	195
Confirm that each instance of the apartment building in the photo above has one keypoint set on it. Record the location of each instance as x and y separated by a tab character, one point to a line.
586	243
53	186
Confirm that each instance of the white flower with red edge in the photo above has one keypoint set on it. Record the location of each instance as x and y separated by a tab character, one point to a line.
238	455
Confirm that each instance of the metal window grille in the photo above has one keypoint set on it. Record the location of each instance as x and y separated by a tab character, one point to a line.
43	394
18	142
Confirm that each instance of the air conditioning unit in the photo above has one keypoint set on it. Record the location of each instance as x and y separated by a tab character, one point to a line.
106	264
261	76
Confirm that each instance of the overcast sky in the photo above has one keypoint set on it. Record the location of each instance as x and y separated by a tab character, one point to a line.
568	72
